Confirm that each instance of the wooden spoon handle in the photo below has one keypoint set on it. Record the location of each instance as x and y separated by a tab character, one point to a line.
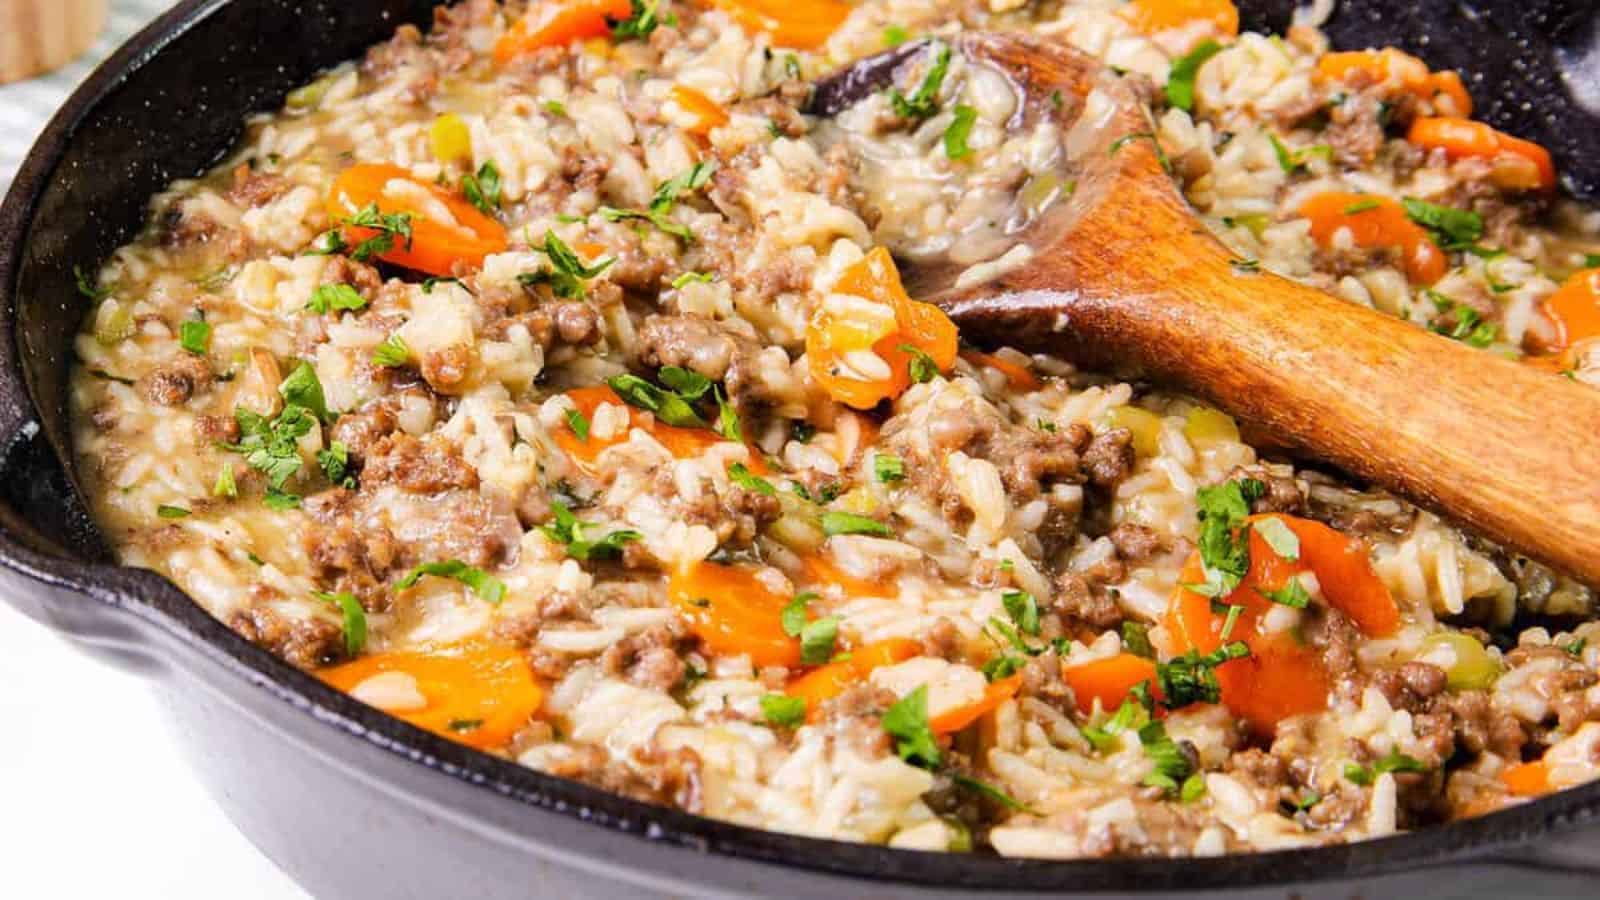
1507	449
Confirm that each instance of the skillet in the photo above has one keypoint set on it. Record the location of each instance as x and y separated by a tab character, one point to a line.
353	803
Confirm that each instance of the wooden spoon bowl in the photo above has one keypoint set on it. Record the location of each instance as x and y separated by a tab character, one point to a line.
1125	277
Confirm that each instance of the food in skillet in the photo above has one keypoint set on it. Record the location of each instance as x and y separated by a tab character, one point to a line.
548	382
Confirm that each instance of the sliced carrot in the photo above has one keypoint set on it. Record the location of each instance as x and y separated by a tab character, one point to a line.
1376	222
1529	779
707	112
556	23
996	693
1574	310
831	338
1280	677
1390	65
1017	375
479	694
682	443
1108	681
802	24
435	247
1518	164
1154	16
734	612
826	682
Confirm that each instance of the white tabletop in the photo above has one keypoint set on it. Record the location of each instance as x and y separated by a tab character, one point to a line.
97	801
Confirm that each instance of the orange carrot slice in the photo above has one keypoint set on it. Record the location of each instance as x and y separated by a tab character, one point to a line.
1017	375
826	682
436	247
1108	681
1529	779
556	23
1376	222
996	693
682	443
1574	310
734	612
1408	72
1518	164
802	24
707	112
477	693
1154	16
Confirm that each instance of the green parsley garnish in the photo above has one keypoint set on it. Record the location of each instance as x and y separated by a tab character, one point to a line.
907	722
567	273
958	131
1452	228
888	467
482	583
335	463
578	423
670	407
895	35
1023	610
748	480
388	226
1293	161
303	388
225	486
1361	206
1174	763
483	189
1224	550
1180	79
171	512
1136	639
688	278
566	529
194	335
1155	145
392	353
837	522
335	297
666	198
924	101
1192	678
727	423
355	619
1279	537
88	285
1130	716
1470	327
921	367
783	710
639	24
984	789
793	617
817	639
1293	593
1395	761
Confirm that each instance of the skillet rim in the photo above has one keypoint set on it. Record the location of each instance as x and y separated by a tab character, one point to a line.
159	604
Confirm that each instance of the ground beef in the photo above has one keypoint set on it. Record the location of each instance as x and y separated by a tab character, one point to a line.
213	430
1085	601
942	639
779	115
584	171
347	555
1041	678
175	381
419	466
649	659
1337	637
855	718
1028	459
1135	543
1372	514
577	323
1283	492
251	188
305	643
344	270
182	228
361	431
1411	685
736	516
783	275
711	348
1480	726
446	370
1109	458
1259	766
403	59
666	778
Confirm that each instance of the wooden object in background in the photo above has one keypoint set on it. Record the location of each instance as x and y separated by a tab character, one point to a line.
39	35
1126	278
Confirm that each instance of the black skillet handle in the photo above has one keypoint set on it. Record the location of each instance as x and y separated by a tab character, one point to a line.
1532	66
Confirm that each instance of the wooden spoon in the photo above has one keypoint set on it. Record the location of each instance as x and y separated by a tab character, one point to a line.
1125	277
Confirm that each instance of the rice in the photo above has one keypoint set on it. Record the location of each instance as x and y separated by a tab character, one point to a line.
719	529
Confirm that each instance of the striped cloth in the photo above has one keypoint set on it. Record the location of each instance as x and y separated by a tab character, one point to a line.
26	106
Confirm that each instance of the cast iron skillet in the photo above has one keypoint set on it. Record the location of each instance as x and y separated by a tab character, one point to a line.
354	803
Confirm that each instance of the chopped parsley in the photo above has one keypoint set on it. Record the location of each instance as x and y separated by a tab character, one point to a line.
727	423
895	35
924	101
1361	206
743	477
566	529
272	447
1192	678
392	353
225	486
1180	79
688	278
171	512
1245	266
921	366
1155	145
888	467
389	227
793	617
482	583
783	710
669	406
958	131
666	198
1174	762
303	388
1224	550
643	20
907	722
1452	228
280	500
1575	646
194	335
838	522
88	285
1023	610
817	639
1461	322
1293	594
1230	620
984	789
578	423
555	107
333	298
567	272
1136	639
335	463
483	189
463	726
355	619
1130	716
1395	761
1293	161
